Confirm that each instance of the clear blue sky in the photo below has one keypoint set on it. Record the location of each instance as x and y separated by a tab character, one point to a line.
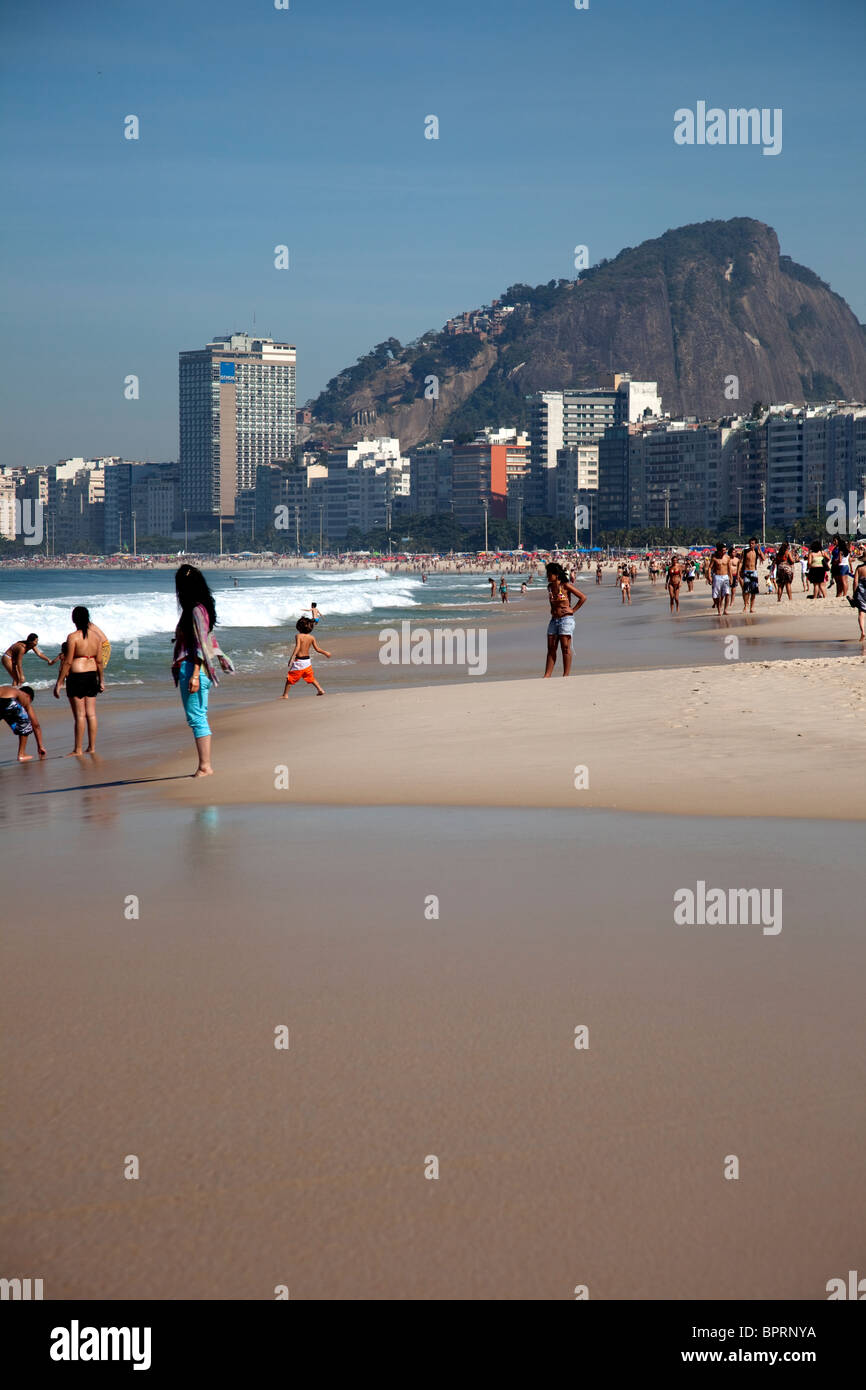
306	127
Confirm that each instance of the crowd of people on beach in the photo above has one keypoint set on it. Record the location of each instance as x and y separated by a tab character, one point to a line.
197	657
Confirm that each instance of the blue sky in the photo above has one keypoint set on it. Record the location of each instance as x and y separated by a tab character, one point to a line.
305	127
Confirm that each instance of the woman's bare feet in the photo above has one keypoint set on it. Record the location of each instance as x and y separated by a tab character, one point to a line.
28	757
203	772
76	753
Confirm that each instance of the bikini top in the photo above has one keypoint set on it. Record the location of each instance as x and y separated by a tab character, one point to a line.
558	595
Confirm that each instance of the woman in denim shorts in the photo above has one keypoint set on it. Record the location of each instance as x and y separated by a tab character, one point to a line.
560	629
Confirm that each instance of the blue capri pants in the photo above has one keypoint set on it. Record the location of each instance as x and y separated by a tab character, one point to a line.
195	702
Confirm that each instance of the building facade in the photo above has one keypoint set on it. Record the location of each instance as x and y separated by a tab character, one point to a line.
237	412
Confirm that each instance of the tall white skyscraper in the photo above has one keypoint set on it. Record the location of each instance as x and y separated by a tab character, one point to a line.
237	410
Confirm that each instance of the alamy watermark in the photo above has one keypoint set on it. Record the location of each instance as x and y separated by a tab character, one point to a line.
441	646
736	126
22	517
717	907
847	518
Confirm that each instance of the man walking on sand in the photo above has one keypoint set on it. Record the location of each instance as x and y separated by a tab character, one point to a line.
749	571
720	577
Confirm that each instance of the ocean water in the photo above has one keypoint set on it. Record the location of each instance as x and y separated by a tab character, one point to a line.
256	617
256	624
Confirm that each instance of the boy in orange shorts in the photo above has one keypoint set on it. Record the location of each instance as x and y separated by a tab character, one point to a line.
300	665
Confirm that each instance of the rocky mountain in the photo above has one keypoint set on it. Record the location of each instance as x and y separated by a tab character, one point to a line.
690	309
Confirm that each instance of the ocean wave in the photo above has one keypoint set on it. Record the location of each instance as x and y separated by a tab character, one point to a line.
152	613
327	577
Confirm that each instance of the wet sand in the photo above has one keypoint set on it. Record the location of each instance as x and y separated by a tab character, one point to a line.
412	1037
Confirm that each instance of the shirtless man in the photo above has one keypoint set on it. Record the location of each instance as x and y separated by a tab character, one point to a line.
16	710
735	571
81	672
14	655
751	555
719	573
674	580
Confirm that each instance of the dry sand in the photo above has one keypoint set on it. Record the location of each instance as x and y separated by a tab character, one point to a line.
745	739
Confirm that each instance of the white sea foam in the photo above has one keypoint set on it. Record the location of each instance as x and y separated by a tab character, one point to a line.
152	613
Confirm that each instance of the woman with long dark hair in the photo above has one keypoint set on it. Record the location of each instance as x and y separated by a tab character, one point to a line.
560	629
841	567
817	570
196	656
81	670
784	572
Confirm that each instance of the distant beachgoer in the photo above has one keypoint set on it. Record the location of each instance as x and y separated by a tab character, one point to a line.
750	582
196	656
523	587
81	671
858	599
14	656
804	566
720	575
840	568
560	629
300	664
314	612
492	583
16	710
784	572
503	589
599	573
625	584
817	571
673	582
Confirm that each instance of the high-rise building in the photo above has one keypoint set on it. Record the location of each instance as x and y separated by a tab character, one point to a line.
480	479
574	418
237	411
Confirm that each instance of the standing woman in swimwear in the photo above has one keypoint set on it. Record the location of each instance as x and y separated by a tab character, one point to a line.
81	670
196	656
560	629
784	572
817	571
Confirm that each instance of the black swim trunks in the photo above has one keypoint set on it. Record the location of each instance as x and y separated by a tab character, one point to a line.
81	684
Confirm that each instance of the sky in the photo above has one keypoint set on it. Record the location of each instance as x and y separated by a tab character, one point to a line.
305	127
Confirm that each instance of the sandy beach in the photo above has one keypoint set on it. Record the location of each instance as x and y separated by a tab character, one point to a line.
450	1032
741	740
